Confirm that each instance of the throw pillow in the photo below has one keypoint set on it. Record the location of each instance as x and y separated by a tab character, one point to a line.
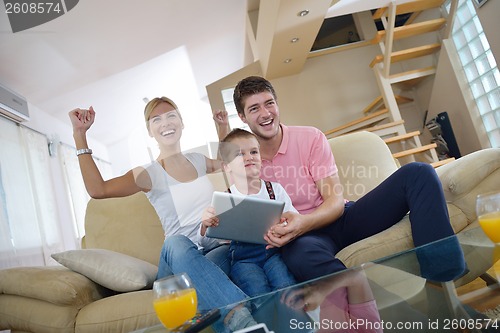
113	270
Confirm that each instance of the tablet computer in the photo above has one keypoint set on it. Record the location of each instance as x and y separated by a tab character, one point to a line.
244	218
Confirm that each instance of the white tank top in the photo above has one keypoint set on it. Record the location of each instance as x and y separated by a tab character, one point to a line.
180	205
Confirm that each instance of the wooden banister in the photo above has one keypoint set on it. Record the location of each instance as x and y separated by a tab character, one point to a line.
442	162
406	31
375	104
407	54
378	102
413	74
410	7
384	126
414	150
401	137
374	116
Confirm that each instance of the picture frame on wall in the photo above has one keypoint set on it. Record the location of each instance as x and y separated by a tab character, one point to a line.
479	3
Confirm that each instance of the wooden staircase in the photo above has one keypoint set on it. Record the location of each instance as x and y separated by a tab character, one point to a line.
382	116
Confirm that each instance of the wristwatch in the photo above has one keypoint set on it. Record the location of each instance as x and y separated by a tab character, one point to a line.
83	151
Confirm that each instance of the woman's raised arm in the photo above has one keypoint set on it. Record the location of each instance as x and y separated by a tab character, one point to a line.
97	187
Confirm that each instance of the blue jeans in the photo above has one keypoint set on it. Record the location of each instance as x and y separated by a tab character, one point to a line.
257	270
414	187
213	287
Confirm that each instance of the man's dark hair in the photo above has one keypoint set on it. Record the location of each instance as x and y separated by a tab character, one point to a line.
250	86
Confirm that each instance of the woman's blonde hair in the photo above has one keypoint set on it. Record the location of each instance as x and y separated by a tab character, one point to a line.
154	103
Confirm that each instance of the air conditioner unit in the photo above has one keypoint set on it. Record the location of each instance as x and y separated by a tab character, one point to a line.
13	106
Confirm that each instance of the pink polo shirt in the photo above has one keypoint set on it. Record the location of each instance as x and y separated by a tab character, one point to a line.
303	158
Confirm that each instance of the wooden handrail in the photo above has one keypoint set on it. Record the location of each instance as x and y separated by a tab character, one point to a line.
357	121
402	137
442	162
410	7
384	126
406	31
413	74
379	12
414	150
412	17
407	54
379	102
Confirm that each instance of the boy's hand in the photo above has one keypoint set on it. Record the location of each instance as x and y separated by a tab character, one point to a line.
208	219
287	230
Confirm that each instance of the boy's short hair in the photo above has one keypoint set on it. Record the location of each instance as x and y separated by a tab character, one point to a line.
250	86
226	148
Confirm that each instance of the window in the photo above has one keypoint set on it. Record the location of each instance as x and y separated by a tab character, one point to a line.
336	31
76	192
233	118
32	227
479	66
29	224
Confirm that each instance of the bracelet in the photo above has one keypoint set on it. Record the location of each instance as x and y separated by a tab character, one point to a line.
83	151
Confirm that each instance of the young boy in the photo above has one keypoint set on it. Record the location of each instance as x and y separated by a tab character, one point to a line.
253	268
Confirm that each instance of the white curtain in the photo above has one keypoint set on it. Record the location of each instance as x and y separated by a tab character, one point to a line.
77	194
28	220
43	192
31	225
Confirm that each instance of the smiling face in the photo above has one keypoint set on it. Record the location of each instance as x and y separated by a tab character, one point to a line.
244	160
165	124
261	113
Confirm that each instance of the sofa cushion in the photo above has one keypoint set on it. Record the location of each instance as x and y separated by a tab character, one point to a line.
392	240
57	285
110	269
463	175
107	219
363	160
120	313
23	314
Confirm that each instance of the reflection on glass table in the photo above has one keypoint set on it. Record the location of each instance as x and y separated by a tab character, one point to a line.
413	291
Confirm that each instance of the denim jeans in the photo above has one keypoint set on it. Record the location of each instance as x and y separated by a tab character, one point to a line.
213	287
414	187
257	270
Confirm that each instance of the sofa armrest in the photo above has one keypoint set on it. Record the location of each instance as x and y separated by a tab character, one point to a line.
57	285
470	175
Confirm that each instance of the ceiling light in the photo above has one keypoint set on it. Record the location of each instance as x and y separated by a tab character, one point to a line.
294	40
303	13
288	60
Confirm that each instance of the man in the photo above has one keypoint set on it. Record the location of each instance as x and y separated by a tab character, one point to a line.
300	159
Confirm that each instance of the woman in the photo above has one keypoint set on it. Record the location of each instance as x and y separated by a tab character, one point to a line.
176	186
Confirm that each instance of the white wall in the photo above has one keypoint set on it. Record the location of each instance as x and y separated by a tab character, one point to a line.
333	89
450	93
44	123
330	91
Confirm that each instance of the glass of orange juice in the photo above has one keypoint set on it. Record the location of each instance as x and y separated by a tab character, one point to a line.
175	300
488	214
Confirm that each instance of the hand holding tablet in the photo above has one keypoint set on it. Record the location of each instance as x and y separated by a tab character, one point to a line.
245	219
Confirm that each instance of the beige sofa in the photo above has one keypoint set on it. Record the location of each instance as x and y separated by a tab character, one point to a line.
57	299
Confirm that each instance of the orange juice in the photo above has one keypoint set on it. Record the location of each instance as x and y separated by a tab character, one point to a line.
490	223
174	309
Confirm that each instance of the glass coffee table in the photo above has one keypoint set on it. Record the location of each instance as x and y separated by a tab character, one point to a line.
412	291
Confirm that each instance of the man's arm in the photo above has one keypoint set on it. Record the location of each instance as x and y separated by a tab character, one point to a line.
221	123
328	212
